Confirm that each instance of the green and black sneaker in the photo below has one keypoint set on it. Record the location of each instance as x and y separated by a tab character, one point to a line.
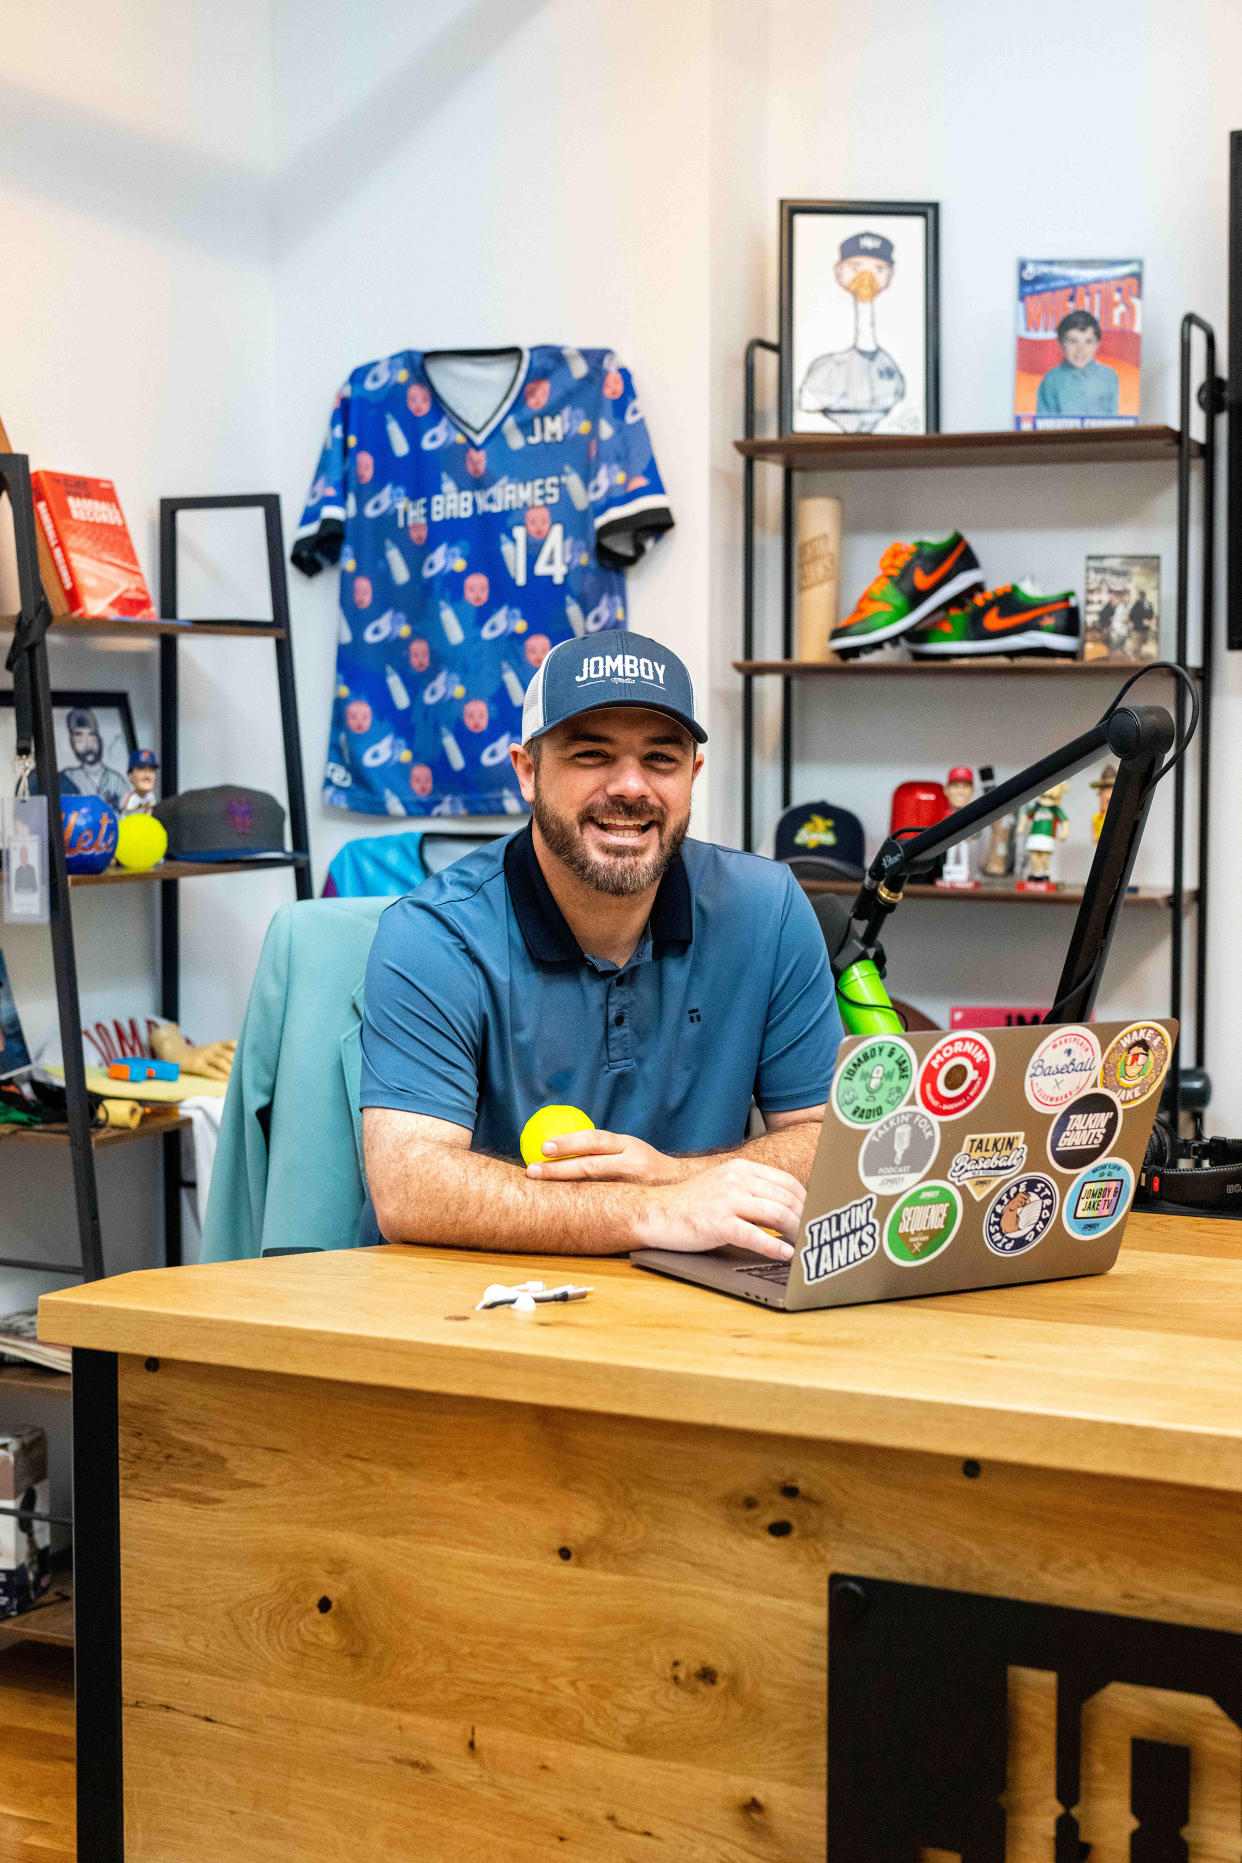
1005	620
916	580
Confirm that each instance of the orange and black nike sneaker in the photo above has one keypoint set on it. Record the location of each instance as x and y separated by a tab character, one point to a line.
1005	620
916	580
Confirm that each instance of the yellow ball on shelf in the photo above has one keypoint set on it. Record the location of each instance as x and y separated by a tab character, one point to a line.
141	841
550	1122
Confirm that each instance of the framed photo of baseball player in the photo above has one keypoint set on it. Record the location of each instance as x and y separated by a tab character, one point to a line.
95	738
860	312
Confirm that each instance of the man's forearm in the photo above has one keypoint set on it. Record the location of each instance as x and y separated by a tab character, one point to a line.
791	1149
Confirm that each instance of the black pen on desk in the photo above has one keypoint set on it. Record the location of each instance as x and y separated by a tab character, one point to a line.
560	1293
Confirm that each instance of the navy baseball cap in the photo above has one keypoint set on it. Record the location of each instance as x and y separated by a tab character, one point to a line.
143	760
867	246
821	842
610	668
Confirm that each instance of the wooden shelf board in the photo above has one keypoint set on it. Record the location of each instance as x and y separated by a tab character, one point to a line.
155	1125
35	1378
1003	895
49	1621
119	629
813	452
187	870
992	664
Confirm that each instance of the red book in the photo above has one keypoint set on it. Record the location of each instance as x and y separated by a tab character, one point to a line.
91	546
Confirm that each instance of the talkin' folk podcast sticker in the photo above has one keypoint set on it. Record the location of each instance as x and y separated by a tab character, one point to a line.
1098	1198
1065	1062
956	1074
841	1239
985	1158
922	1224
1020	1214
898	1152
874	1081
1084	1131
1135	1062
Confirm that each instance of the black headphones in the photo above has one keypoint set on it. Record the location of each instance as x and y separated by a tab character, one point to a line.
1213	1181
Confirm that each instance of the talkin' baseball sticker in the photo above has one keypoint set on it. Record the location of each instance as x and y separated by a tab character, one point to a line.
985	1158
841	1239
1084	1131
898	1152
956	1074
922	1224
1063	1066
1098	1198
1135	1063
1021	1214
875	1081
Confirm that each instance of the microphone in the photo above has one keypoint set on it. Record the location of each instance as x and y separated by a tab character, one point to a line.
861	996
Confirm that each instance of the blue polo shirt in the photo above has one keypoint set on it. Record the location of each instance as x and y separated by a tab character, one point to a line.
481	1007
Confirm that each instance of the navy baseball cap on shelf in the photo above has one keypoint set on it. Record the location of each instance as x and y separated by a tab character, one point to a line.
143	760
821	842
614	667
867	246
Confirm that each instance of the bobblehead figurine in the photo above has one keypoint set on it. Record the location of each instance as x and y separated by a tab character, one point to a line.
1103	787
143	766
959	787
1047	823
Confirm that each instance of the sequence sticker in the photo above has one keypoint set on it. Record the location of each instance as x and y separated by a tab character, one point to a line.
1135	1063
898	1152
985	1158
1021	1214
922	1225
1084	1131
841	1239
1064	1064
1098	1198
956	1074
874	1081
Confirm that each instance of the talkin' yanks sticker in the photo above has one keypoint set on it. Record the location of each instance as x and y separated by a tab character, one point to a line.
956	1074
1135	1062
1063	1066
874	1081
898	1152
841	1239
1099	1198
1084	1131
922	1224
1021	1214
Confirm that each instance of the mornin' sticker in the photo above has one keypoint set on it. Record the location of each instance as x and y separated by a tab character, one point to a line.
922	1224
874	1081
841	1239
1098	1198
1135	1063
1064	1063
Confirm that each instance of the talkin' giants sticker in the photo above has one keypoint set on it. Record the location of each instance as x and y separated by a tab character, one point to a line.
1065	1062
874	1081
1098	1198
841	1239
1084	1131
1020	1215
898	1152
956	1074
922	1224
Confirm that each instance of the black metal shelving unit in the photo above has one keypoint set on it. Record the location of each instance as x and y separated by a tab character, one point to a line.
1177	447
28	662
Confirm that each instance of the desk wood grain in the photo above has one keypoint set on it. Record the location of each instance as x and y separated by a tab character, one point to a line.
1135	1373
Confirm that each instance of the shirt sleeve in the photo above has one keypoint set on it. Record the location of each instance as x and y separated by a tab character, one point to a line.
804	1028
630	505
320	534
1048	401
422	1023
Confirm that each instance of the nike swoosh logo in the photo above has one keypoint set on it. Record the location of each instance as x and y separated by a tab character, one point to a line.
924	581
994	621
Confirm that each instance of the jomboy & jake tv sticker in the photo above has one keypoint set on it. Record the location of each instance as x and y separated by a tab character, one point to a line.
841	1239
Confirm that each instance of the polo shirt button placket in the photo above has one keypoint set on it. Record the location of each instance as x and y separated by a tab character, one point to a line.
617	1017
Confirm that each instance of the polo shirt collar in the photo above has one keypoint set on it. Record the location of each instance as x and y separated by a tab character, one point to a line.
542	923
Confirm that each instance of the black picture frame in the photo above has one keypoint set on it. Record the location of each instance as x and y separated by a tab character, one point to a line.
794	211
67	701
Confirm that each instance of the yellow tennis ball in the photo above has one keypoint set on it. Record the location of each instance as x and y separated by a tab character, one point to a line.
140	842
550	1122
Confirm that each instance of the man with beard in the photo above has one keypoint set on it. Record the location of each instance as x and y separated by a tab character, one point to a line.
599	959
90	775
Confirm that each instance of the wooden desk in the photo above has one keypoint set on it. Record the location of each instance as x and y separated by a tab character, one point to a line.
409	1581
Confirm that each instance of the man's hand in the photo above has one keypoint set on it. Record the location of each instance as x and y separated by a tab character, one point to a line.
736	1202
608	1158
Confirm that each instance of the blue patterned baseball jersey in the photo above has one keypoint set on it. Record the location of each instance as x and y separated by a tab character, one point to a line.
483	506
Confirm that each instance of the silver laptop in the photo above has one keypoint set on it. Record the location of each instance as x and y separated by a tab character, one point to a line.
978	1158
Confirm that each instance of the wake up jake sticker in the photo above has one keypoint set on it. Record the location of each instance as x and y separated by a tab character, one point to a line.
841	1239
1084	1131
874	1081
1021	1215
956	1074
1135	1063
1098	1199
985	1158
1065	1062
898	1152
922	1224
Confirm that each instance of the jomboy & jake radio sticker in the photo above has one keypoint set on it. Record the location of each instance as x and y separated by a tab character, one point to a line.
922	1224
898	1152
985	1158
1135	1063
1064	1064
841	1239
874	1081
956	1074
1021	1214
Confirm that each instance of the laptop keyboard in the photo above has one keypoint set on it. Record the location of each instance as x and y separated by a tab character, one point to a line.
769	1271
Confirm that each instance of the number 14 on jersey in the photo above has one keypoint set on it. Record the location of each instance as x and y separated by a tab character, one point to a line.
552	560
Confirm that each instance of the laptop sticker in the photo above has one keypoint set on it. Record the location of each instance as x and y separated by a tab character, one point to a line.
1099	1198
841	1239
1021	1214
922	1225
1064	1064
898	1152
985	1158
1084	1131
874	1082
956	1074
1135	1062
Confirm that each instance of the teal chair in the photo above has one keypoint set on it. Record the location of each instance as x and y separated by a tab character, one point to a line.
289	1169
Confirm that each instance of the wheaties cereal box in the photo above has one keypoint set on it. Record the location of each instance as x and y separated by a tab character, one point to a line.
1080	328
